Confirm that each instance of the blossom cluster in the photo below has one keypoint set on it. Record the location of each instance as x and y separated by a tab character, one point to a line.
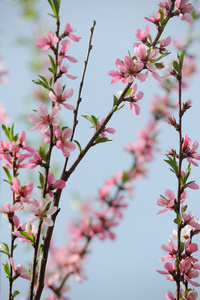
94	222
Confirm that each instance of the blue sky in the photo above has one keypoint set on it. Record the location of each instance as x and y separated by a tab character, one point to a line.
126	267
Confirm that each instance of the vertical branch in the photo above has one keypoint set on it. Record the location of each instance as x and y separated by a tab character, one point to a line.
34	265
80	88
179	78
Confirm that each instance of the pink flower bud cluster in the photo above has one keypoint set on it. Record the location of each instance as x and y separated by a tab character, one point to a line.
15	151
186	266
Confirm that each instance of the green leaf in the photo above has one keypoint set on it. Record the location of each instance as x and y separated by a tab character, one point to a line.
52	64
28	236
45	82
159	65
149	39
184	208
182	246
4	248
53	8
50	81
120	107
177	262
176	66
173	163
125	177
47	206
129	91
6	131
181	58
15	246
7	269
91	119
94	120
15	294
12	132
41	179
178	219
102	140
8	174
51	70
162	19
42	153
115	101
160	57
78	145
57	6
41	249
37	81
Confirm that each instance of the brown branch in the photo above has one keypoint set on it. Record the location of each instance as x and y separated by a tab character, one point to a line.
79	99
179	227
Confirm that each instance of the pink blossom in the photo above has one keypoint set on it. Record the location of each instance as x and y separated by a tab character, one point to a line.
189	67
62	143
7	209
47	42
189	219
188	152
109	129
171	249
191	185
59	97
18	163
164	43
3	73
102	225
190	247
170	201
133	98
170	271
116	205
4	149
114	179
184	9
161	105
21	144
146	58
165	6
21	192
64	69
3	117
191	295
19	271
44	119
41	211
186	271
36	160
30	229
64	47
128	70
180	44
170	295
58	184
142	35
68	31
155	18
